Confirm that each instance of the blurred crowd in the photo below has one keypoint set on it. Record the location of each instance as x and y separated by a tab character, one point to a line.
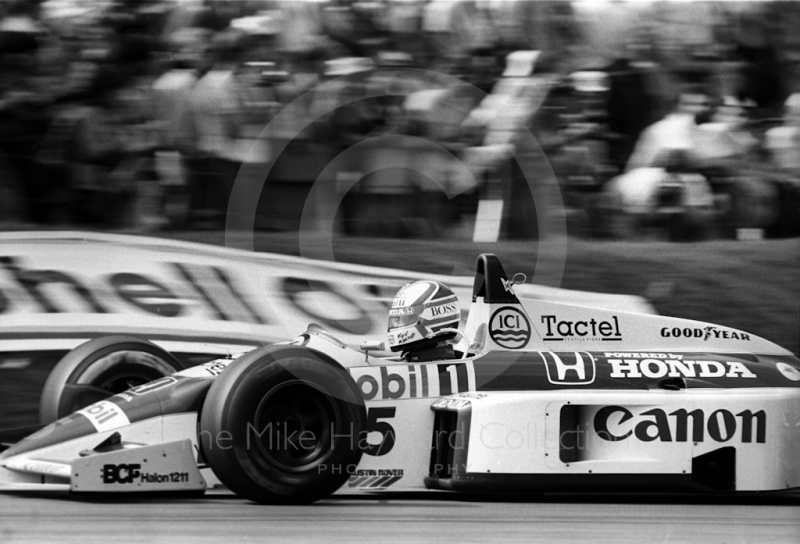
648	117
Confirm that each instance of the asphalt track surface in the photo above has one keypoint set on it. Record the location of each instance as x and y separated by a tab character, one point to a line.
222	517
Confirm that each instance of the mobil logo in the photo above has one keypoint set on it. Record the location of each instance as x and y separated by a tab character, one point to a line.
415	381
575	368
510	328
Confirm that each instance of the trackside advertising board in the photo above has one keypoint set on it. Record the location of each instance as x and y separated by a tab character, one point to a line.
74	285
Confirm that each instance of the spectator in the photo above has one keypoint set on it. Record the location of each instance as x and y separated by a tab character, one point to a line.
783	145
175	126
86	142
783	142
217	109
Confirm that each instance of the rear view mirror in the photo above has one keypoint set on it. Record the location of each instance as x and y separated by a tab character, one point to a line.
373	345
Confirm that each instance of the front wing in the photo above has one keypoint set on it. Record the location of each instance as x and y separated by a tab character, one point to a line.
155	455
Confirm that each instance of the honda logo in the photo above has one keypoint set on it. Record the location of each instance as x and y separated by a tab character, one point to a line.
575	368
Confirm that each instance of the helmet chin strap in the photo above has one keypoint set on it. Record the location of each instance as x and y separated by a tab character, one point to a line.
462	335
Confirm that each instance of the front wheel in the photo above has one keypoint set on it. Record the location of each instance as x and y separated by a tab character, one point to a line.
100	368
282	425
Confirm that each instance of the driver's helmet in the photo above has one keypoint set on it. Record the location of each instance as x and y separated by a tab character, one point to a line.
420	310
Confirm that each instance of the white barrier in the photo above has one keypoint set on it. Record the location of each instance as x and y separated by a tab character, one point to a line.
79	285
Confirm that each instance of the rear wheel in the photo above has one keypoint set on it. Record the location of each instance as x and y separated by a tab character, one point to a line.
282	425
100	368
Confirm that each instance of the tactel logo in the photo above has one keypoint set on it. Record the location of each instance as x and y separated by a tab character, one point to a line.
559	330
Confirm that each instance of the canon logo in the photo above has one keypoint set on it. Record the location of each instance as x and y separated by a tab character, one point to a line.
615	423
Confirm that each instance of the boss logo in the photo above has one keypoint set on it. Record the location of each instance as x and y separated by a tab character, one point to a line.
121	474
444	310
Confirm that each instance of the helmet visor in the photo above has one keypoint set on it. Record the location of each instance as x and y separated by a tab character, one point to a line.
401	317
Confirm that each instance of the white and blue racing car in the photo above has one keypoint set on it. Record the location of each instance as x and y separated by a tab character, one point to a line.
546	397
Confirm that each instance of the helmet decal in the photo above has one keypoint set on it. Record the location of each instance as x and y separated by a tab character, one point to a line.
411	293
419	311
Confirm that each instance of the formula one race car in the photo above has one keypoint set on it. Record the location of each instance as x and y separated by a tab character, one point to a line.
546	397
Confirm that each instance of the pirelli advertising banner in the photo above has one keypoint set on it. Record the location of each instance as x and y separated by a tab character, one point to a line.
80	285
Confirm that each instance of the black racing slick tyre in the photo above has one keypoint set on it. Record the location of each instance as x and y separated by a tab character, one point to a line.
100	368
282	425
